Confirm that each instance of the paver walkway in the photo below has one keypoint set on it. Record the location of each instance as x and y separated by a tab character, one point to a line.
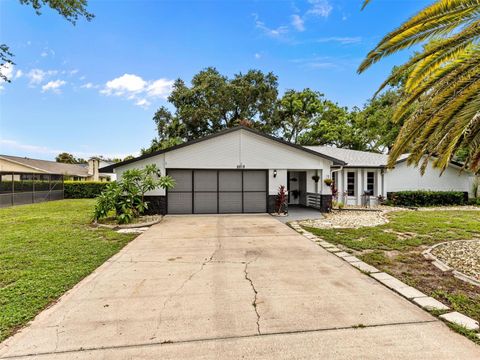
228	287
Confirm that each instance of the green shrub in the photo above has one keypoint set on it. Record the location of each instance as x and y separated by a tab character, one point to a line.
83	189
475	201
427	198
126	197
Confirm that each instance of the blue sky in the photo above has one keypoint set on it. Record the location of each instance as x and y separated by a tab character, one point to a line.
92	89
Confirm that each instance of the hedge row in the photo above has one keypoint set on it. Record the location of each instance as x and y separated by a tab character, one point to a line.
427	198
83	189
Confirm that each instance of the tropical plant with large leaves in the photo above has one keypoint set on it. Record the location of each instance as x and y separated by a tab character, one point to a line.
442	83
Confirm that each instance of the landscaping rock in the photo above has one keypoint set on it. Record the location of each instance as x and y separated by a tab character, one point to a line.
462	320
463	256
430	303
347	219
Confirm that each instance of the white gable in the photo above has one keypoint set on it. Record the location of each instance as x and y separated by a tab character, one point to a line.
242	148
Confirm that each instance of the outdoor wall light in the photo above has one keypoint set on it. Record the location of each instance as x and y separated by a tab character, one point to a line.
274	173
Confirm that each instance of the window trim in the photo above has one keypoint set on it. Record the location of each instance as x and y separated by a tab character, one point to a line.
354	190
373	182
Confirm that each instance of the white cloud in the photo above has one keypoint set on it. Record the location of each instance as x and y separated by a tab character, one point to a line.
18	74
37	76
7	71
89	85
320	8
135	88
47	52
160	88
298	23
53	86
272	32
258	55
127	83
143	103
342	40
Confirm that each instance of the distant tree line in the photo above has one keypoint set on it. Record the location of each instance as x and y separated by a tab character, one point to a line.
68	158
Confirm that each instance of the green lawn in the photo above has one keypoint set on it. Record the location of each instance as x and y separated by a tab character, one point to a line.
397	246
45	249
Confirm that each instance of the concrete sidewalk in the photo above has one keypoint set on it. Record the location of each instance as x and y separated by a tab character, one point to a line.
215	287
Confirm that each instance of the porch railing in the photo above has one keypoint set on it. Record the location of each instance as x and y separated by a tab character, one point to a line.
314	200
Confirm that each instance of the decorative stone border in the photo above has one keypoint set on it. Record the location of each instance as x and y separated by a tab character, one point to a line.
129	226
415	296
444	267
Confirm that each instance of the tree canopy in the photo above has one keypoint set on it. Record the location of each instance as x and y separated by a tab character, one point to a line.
67	158
213	102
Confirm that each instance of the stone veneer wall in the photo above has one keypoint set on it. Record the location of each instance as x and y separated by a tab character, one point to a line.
156	205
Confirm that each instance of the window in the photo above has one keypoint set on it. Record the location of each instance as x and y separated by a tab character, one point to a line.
370	182
351	183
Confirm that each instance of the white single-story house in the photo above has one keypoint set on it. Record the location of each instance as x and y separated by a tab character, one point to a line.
239	170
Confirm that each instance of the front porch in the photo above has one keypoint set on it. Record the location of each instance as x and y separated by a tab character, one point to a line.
300	213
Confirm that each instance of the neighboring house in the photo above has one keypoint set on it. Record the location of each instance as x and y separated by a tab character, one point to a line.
240	170
79	172
25	181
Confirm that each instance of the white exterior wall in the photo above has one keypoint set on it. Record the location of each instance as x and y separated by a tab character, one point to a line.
360	185
404	177
275	182
239	149
158	160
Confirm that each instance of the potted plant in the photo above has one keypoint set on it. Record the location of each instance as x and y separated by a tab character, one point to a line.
295	194
328	181
315	178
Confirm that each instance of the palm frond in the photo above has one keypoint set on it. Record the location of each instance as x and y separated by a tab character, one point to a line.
441	18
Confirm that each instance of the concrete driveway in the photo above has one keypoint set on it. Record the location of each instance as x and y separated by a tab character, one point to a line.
227	287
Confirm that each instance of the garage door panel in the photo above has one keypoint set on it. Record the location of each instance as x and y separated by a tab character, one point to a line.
183	180
205	180
254	181
229	180
205	203
254	202
180	203
230	202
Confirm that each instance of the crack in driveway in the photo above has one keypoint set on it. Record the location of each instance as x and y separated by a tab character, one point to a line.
190	277
254	302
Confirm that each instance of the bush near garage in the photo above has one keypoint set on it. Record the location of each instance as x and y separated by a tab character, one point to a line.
427	198
83	189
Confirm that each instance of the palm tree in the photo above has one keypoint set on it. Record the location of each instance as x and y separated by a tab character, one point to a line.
442	83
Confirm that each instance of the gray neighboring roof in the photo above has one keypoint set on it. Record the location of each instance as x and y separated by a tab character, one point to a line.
355	158
335	160
50	167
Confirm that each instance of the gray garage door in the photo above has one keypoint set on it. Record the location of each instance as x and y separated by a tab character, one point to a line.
217	191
